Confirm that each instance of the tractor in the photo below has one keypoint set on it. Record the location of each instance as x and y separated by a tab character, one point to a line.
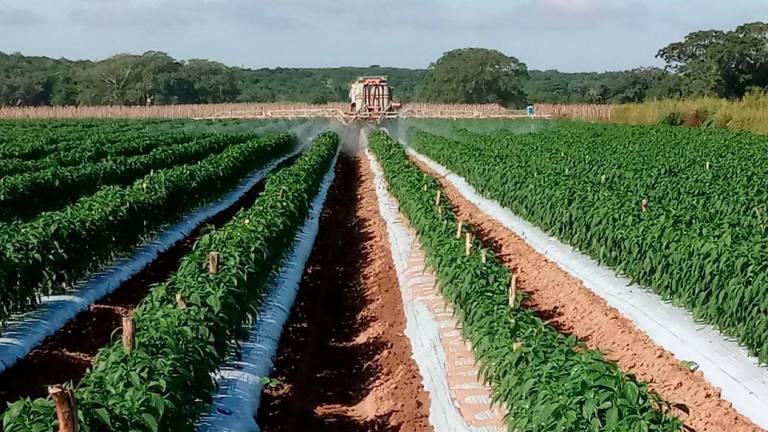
371	99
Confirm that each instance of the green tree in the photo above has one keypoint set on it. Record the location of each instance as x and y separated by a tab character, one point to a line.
745	63
26	80
212	82
718	63
475	75
110	82
158	80
64	91
125	79
695	60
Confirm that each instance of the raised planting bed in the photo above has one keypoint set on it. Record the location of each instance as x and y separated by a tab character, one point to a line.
545	380
161	380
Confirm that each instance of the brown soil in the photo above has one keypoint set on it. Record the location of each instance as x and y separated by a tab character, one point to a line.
66	355
570	307
344	363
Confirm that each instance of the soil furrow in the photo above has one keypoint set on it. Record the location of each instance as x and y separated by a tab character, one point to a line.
344	363
566	304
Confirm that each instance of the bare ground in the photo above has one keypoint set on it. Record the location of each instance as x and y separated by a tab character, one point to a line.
344	363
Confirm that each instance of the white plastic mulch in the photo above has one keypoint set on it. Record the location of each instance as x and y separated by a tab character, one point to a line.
724	363
459	402
23	333
237	399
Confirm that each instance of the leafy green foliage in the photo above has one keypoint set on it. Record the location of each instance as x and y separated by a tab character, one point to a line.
25	195
634	85
94	146
53	251
720	63
157	78
29	140
475	75
702	242
166	381
70	142
41	81
546	381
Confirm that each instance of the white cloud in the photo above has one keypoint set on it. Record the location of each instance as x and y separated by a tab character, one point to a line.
13	16
570	15
565	34
161	15
577	7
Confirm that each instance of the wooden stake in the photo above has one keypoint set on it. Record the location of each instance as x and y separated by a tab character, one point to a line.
437	197
129	333
468	244
483	256
213	262
644	205
180	303
66	409
512	291
459	229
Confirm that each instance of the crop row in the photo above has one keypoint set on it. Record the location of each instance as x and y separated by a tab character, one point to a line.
545	380
165	382
31	140
93	149
53	251
26	195
678	210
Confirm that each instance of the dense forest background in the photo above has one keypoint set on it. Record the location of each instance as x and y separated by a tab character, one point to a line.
715	63
156	78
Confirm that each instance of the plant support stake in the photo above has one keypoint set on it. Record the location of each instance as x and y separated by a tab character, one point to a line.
468	244
180	303
66	410
129	333
213	262
459	229
512	291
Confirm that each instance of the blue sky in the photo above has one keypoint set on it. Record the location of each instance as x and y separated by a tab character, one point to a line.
569	35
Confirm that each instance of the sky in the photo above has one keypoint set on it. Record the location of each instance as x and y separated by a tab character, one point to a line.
568	35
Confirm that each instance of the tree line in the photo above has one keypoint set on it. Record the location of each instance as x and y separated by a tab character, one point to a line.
714	63
717	63
154	77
